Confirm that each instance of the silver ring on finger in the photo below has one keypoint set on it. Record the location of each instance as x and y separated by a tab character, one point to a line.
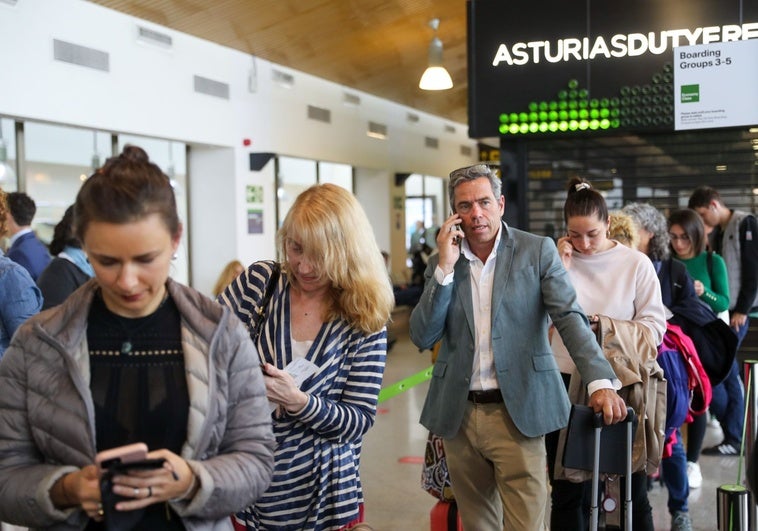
136	492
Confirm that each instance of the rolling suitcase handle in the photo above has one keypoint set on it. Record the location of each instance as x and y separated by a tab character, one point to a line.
594	511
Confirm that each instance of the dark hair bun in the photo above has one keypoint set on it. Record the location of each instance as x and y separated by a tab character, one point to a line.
134	154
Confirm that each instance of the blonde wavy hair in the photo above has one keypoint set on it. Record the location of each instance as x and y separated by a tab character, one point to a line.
3	212
623	229
337	238
231	271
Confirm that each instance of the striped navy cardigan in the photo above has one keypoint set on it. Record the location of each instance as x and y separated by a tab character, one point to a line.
316	484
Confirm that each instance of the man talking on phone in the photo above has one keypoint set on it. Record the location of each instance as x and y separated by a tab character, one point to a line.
496	388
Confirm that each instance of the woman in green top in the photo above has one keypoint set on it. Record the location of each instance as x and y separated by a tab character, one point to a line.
708	271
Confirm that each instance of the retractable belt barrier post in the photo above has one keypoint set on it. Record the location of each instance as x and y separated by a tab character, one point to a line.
750	374
735	509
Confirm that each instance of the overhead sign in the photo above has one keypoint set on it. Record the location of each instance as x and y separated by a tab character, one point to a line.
558	66
619	45
716	85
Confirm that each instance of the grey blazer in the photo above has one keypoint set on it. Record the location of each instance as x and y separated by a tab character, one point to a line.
530	285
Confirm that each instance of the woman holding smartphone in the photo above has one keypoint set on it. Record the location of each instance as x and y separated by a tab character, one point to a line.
327	310
613	280
129	357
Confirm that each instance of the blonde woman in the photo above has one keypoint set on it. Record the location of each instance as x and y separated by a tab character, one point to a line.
622	229
329	307
231	271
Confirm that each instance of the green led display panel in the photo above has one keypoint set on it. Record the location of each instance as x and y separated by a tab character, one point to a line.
573	110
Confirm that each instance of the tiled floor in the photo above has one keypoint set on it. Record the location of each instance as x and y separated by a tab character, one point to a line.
390	468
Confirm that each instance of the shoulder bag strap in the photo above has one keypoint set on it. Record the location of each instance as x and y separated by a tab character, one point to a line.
267	294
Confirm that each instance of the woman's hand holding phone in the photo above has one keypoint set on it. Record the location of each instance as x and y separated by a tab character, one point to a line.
142	478
565	250
80	488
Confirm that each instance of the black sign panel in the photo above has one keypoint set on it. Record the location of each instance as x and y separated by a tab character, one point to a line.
570	65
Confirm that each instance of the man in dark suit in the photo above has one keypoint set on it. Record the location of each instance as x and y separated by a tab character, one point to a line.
496	388
25	249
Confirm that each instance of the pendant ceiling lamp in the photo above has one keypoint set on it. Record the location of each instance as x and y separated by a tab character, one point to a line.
435	76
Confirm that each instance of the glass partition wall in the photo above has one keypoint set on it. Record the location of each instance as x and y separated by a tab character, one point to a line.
56	160
294	175
425	206
8	170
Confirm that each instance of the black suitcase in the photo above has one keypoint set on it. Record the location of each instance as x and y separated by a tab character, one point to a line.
599	453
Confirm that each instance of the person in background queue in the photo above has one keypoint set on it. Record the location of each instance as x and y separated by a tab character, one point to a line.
24	246
708	271
231	270
734	235
69	268
619	283
677	292
20	298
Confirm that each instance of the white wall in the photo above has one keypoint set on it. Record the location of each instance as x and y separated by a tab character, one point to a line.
374	195
149	91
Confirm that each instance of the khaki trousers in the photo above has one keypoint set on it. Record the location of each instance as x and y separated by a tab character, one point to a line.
498	475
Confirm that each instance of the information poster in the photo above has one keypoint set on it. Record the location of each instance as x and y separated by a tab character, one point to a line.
254	196
716	85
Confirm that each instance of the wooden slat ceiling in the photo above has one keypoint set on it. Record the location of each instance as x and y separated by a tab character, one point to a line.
375	46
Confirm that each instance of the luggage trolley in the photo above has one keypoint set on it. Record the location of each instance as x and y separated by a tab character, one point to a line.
585	453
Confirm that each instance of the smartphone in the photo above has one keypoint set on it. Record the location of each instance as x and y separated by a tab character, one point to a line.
458	230
131	453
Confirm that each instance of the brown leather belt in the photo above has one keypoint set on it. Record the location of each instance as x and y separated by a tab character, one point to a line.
493	396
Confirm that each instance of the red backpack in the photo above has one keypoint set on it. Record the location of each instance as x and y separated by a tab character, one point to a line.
699	384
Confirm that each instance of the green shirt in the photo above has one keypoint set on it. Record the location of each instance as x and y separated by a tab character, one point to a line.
716	294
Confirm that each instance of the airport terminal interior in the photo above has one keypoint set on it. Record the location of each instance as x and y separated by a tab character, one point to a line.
244	104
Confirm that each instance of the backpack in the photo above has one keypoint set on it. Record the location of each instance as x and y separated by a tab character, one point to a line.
701	390
715	341
677	388
688	390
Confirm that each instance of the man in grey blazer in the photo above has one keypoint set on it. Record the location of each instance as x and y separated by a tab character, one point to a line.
490	295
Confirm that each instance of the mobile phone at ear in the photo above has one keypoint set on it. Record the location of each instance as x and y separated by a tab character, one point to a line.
121	455
457	229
